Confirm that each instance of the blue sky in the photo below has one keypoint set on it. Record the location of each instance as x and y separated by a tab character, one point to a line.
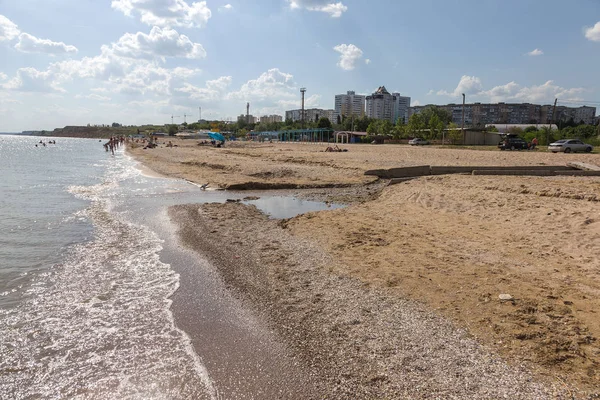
140	61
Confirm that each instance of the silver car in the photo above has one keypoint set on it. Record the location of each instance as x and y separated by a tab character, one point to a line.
418	142
570	145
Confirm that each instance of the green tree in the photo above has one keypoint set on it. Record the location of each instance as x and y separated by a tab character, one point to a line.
385	128
324	123
454	133
361	124
173	130
373	128
441	114
399	131
436	126
530	129
491	128
586	131
415	124
515	130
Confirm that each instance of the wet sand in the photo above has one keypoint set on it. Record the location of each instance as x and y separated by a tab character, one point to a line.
397	295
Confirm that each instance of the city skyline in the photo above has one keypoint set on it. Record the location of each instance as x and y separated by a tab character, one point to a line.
139	62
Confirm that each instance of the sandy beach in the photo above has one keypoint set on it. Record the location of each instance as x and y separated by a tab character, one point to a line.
398	294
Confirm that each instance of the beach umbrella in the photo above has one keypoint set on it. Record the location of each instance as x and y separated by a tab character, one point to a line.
217	136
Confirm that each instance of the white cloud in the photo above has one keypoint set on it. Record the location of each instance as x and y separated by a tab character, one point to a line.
8	29
431	91
415	103
368	61
150	79
593	33
548	91
335	10
30	44
270	84
349	55
535	52
93	96
3	76
512	91
226	7
309	102
214	90
502	92
160	43
466	85
166	12
31	80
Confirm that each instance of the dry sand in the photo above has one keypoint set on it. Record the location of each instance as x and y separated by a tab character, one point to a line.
457	242
452	243
248	165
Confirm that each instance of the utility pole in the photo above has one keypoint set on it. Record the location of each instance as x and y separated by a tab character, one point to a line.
302	90
462	128
248	113
551	121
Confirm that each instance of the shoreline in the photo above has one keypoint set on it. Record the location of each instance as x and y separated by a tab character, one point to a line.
362	342
367	249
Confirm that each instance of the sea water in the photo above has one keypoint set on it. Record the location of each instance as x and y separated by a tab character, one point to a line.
84	296
84	309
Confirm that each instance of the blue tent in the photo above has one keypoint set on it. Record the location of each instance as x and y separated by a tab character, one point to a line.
216	136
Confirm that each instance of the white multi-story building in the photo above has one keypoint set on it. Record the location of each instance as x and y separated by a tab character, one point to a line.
250	119
585	114
349	104
380	105
401	107
310	115
269	119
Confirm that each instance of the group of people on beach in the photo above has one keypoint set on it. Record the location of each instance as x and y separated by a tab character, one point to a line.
44	143
113	143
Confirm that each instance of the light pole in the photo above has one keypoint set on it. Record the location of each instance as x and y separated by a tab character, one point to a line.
462	128
302	90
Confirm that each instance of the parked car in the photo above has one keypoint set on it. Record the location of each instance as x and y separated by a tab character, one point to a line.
513	143
418	142
570	145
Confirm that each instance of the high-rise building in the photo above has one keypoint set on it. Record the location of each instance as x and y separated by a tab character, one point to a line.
380	105
401	107
349	104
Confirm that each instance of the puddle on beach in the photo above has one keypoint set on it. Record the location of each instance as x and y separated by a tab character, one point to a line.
275	206
279	207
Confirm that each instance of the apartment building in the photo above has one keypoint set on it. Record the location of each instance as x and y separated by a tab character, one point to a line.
310	115
480	114
250	119
349	104
380	105
269	119
401	107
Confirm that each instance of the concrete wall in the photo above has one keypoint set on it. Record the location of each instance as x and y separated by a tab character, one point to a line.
474	138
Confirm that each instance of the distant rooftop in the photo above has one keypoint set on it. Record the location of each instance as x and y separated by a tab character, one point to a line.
382	90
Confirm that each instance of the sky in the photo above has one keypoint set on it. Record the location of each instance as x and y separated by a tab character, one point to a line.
74	62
